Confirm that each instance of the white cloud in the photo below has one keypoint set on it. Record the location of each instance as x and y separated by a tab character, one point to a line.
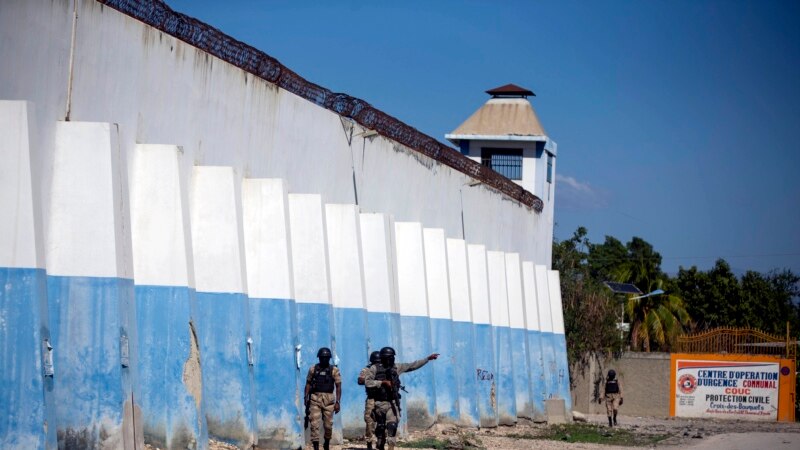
574	194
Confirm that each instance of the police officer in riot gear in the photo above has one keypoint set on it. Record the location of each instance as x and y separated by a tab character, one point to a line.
323	378
372	393
386	377
612	394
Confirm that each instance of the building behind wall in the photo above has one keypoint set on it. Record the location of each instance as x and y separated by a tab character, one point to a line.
176	200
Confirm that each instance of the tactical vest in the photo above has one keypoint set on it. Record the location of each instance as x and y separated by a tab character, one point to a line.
382	393
612	387
373	393
322	380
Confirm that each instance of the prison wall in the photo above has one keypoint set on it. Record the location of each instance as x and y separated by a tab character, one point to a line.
185	236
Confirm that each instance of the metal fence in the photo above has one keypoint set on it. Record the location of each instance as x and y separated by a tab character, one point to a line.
747	341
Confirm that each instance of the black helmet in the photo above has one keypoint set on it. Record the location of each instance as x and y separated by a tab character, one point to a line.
387	357
375	357
324	352
612	374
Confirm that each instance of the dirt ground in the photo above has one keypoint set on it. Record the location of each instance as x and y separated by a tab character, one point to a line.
693	434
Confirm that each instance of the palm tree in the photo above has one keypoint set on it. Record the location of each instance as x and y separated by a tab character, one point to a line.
656	321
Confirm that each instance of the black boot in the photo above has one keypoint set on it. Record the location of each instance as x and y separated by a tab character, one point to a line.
381	441
615	418
369	445
611	424
316	444
326	445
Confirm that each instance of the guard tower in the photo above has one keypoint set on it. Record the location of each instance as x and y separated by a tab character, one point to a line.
506	135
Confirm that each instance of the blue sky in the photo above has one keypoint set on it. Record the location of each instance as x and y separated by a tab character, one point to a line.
677	121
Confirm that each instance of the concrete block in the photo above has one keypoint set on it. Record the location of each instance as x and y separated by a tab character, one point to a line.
519	340
504	370
556	411
484	337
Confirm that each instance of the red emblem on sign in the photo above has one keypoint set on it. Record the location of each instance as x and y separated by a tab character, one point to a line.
687	383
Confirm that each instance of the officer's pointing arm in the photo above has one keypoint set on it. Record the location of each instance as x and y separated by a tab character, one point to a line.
410	367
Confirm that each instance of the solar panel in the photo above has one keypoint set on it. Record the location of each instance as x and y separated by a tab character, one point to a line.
623	288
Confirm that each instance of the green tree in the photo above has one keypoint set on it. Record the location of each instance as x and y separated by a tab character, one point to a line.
656	321
589	309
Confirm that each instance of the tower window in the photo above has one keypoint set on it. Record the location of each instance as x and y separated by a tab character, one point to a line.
549	168
505	161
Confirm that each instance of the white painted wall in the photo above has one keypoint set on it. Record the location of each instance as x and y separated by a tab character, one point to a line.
265	209
516	311
458	276
159	89
498	291
554	288
531	302
412	296
89	219
344	251
309	249
217	234
21	239
377	246
436	273
543	299
479	285
160	230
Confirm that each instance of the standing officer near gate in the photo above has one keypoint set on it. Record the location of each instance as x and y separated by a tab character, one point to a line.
320	401
386	376
612	394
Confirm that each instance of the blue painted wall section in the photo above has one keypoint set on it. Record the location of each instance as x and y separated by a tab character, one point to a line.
314	330
486	376
562	369
172	417
506	395
273	324
351	348
383	330
464	374
91	386
519	359
550	366
446	389
25	396
420	401
538	386
222	327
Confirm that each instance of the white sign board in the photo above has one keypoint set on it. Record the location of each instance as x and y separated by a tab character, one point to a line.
726	389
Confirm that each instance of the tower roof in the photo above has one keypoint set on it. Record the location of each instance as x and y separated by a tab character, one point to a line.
510	90
508	115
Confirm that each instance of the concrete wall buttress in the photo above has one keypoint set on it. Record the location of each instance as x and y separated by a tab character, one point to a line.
223	325
519	338
380	281
270	284
498	298
559	339
169	360
546	328
463	329
26	396
485	370
311	278
415	324
538	389
441	324
349	310
90	290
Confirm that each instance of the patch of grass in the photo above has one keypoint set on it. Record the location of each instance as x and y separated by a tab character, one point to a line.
467	441
437	444
594	434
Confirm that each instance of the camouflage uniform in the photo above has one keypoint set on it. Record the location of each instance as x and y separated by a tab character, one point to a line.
386	408
369	405
322	405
